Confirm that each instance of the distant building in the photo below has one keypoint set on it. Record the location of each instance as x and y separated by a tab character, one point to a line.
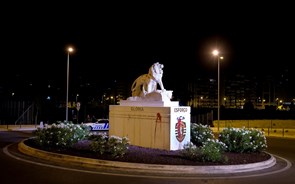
235	90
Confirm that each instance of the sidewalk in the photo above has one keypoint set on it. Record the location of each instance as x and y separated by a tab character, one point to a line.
18	127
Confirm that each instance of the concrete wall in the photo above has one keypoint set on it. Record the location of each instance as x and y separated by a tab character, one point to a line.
256	123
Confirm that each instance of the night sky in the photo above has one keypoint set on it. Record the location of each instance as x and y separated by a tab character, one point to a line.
121	41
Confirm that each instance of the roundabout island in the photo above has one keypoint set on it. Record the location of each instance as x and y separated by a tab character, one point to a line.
239	170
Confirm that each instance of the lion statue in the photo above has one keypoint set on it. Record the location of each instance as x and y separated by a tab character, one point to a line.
147	83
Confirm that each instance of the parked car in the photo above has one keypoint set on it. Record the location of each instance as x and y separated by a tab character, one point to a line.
100	124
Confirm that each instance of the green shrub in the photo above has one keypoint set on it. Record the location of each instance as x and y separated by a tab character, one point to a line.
65	135
115	146
191	151
62	135
241	140
203	146
99	143
200	134
212	151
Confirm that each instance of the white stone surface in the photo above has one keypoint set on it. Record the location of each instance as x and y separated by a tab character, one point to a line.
156	99
153	127
149	103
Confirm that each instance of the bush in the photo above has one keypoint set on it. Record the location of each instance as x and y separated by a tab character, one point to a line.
241	140
99	143
203	146
191	151
115	146
65	135
212	151
200	134
62	135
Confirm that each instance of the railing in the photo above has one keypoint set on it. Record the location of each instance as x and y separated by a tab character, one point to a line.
27	117
278	128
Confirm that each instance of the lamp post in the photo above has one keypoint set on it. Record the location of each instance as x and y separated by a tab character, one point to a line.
216	53
70	49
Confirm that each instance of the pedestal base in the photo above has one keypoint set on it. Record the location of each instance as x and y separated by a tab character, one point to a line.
149	103
151	126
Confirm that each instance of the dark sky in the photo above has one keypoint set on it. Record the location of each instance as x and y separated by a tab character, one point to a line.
124	40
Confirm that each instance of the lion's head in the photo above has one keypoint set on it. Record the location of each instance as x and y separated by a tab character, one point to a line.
156	70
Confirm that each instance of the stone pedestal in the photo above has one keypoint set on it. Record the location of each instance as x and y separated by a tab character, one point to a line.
149	103
151	124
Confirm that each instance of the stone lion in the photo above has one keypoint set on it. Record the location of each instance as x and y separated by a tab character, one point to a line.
147	83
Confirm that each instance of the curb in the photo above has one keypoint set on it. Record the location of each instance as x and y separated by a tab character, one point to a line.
144	168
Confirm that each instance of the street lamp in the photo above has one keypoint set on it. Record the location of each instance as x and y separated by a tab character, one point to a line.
216	53
70	49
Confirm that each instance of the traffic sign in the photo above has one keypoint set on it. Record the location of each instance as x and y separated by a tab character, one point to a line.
78	106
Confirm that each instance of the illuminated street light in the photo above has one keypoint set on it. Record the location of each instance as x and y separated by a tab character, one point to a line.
216	53
70	49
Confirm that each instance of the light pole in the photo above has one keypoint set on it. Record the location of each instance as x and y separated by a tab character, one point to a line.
216	53
70	49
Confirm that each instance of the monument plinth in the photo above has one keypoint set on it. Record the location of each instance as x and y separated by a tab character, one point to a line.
149	118
154	99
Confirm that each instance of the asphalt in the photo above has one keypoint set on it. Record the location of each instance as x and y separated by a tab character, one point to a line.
88	163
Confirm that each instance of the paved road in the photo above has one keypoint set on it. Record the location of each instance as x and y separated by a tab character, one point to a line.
18	168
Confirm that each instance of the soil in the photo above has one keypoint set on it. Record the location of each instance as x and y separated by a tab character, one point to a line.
136	154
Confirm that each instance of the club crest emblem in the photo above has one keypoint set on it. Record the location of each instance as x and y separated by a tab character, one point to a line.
180	129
